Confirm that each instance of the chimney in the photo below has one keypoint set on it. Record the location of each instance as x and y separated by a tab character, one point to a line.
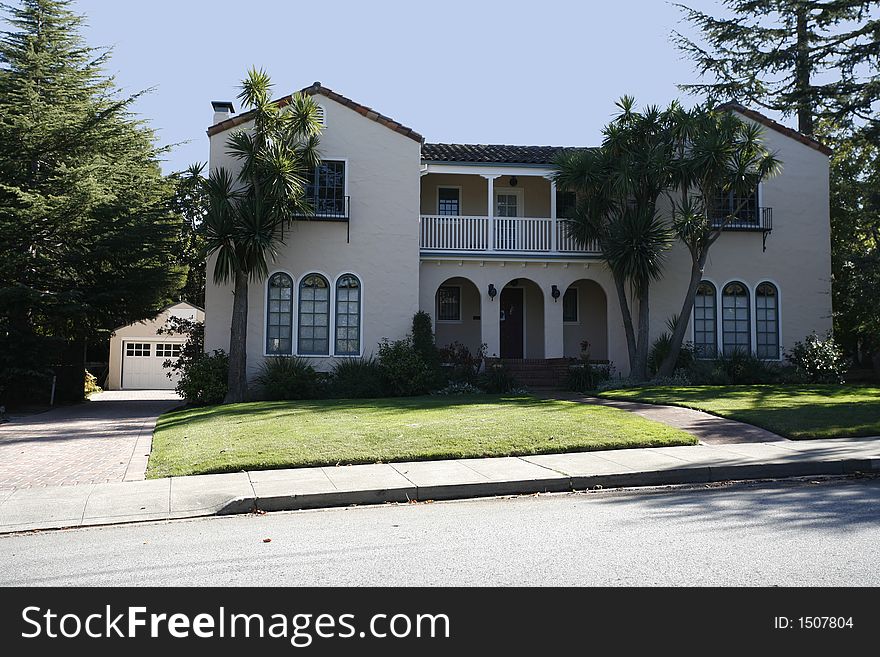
223	110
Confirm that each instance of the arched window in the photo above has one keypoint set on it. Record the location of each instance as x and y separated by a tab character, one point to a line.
348	316
767	321
705	321
735	329
279	320
314	316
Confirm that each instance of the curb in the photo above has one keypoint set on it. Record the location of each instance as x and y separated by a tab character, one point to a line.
561	484
287	499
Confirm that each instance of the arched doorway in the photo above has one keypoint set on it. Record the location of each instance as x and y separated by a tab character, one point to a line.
521	316
585	320
457	314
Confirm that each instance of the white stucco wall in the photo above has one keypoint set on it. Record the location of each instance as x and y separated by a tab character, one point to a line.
382	171
797	259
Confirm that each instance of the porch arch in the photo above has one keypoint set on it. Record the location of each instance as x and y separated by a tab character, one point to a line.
457	313
525	296
586	319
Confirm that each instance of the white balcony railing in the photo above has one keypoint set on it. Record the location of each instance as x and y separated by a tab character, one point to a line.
524	235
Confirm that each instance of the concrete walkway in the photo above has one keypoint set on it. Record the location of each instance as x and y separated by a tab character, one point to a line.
107	438
304	488
710	429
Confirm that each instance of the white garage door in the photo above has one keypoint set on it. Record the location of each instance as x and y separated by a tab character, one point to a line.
142	364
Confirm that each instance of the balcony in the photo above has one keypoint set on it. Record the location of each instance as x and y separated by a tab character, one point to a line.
329	209
751	219
457	234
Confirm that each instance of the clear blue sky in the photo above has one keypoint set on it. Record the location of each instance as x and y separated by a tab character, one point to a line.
539	72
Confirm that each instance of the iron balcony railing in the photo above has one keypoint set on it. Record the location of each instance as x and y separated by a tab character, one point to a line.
756	219
329	209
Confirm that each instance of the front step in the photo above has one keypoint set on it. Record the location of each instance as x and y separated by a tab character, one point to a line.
535	373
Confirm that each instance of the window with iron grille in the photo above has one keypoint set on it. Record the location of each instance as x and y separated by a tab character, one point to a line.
743	208
449	303
448	201
735	328
326	190
570	305
279	322
348	316
314	316
767	321
705	321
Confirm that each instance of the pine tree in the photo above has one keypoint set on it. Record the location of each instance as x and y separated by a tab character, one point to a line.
86	226
813	58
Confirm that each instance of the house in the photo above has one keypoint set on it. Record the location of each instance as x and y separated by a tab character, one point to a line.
137	351
476	236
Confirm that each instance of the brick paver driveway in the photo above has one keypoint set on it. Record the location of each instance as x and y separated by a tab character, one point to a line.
105	439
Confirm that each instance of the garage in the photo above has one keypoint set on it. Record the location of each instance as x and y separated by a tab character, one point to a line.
139	350
143	364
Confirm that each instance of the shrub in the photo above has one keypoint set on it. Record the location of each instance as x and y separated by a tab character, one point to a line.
459	388
586	376
356	378
459	364
194	347
497	380
91	384
663	345
203	380
287	377
423	338
404	371
819	361
738	368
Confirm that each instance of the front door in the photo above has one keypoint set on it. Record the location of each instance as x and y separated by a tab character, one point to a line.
512	318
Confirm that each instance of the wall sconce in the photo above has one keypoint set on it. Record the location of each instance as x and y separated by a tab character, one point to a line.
555	293
513	181
492	292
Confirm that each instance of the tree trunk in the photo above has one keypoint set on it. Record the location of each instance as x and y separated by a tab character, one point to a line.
639	369
667	368
237	380
627	321
802	72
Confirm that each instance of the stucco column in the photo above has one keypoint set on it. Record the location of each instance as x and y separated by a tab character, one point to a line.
554	232
490	208
490	322
554	344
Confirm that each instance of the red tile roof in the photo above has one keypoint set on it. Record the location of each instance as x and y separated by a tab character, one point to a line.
317	88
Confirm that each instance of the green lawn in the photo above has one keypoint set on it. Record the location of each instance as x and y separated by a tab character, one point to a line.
262	435
794	411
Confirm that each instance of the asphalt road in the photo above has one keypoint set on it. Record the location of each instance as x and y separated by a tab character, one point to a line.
810	534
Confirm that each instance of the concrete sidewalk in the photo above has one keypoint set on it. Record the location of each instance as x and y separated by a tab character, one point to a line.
308	488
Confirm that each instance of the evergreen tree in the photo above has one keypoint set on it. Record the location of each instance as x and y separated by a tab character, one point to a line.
813	58
191	203
86	225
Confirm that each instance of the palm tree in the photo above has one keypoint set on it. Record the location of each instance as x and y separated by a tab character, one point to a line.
717	153
618	186
247	212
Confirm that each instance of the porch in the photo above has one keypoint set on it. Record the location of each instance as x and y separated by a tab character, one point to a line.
524	321
497	210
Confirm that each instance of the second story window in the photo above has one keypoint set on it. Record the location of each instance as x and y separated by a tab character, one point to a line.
326	190
566	202
449	201
744	208
506	205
